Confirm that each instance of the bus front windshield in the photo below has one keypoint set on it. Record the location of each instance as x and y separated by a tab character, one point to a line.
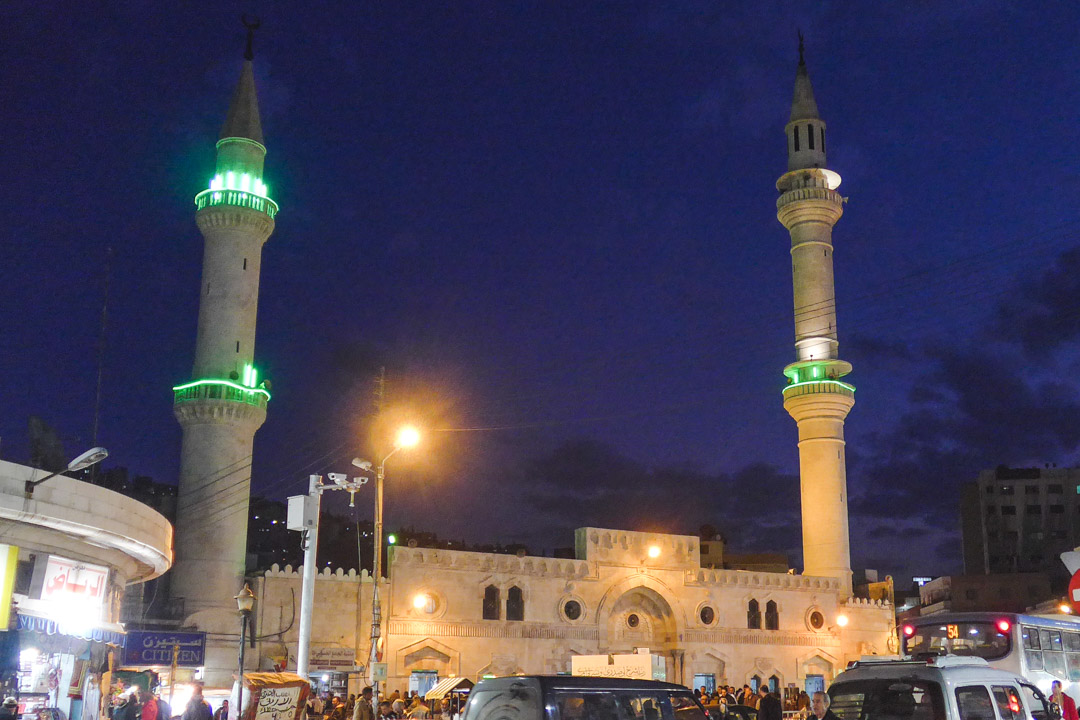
976	639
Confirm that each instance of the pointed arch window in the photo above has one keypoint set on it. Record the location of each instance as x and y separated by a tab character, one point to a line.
515	604
753	615
491	603
795	137
810	136
772	616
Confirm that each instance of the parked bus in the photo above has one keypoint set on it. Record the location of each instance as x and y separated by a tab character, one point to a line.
1041	648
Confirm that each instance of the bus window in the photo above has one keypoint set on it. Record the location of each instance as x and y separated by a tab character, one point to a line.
973	702
1008	702
1031	638
1055	640
1055	664
1073	660
1072	642
978	639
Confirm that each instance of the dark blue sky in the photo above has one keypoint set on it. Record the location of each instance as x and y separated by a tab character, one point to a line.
556	222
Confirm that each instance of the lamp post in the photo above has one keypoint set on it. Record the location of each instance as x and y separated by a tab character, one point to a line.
245	601
407	437
91	457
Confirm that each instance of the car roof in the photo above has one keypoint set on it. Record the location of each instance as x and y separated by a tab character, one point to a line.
958	671
574	682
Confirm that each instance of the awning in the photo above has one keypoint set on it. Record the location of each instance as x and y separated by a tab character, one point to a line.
103	632
447	686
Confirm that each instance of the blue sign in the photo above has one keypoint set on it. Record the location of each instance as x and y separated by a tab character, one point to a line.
152	647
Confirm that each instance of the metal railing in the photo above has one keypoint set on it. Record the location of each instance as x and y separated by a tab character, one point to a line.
237	198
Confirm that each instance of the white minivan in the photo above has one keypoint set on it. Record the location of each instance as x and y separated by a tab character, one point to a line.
945	687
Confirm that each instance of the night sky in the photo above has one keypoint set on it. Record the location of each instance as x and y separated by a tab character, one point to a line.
554	225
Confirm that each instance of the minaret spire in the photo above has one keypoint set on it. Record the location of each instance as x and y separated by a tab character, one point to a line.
242	120
253	25
815	397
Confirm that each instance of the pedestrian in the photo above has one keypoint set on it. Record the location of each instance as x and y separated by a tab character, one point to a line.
769	707
419	709
222	713
385	712
149	710
803	703
164	709
1063	701
363	709
125	708
819	705
197	707
10	709
398	708
445	713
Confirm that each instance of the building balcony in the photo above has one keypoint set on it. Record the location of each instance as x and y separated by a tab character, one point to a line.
220	390
236	198
816	387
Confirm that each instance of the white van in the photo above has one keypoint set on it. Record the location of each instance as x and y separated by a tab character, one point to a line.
946	687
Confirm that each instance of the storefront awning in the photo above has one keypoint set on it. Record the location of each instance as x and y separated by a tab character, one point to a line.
447	686
103	632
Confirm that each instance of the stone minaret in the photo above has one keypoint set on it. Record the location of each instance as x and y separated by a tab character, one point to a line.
808	207
224	403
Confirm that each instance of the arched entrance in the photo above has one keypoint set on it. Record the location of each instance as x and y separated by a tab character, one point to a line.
641	617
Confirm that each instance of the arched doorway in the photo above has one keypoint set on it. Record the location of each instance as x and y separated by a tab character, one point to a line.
641	617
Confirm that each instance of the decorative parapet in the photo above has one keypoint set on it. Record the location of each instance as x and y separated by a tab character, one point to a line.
749	579
866	603
215	389
809	193
819	387
626	547
338	575
490	562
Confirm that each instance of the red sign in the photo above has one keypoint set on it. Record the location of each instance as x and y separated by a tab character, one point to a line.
1074	592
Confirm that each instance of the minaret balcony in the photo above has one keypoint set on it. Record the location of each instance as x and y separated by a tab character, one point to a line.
220	390
236	198
819	387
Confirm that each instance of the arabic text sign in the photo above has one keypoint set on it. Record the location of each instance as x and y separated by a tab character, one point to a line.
148	647
68	581
332	658
277	703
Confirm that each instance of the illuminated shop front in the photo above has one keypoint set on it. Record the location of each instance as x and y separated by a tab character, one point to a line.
173	661
70	548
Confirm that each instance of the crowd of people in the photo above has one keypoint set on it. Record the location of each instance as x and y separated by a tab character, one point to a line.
139	703
396	706
768	704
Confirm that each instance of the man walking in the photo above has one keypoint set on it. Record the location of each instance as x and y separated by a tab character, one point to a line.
769	705
363	710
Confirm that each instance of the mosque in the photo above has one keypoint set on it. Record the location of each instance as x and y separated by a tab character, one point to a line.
463	614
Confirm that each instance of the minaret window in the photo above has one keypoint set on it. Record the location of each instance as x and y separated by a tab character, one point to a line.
753	615
795	137
237	346
515	604
245	263
491	603
772	616
822	139
810	136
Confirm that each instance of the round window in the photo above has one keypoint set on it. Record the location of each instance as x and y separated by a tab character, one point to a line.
572	609
817	620
633	620
707	615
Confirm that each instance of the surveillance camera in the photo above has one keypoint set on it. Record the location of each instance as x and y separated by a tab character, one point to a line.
362	464
360	480
338	478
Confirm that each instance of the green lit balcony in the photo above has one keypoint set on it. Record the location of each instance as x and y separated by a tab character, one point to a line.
815	387
236	198
220	390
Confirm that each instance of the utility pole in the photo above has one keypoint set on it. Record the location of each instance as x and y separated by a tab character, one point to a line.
303	515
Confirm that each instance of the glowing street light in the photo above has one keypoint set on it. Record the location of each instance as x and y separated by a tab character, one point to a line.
842	620
91	457
407	437
654	551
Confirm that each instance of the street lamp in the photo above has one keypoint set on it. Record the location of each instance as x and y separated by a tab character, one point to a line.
245	601
91	457
407	437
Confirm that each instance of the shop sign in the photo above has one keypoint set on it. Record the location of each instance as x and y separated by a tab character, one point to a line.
147	647
332	659
9	561
54	627
68	582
